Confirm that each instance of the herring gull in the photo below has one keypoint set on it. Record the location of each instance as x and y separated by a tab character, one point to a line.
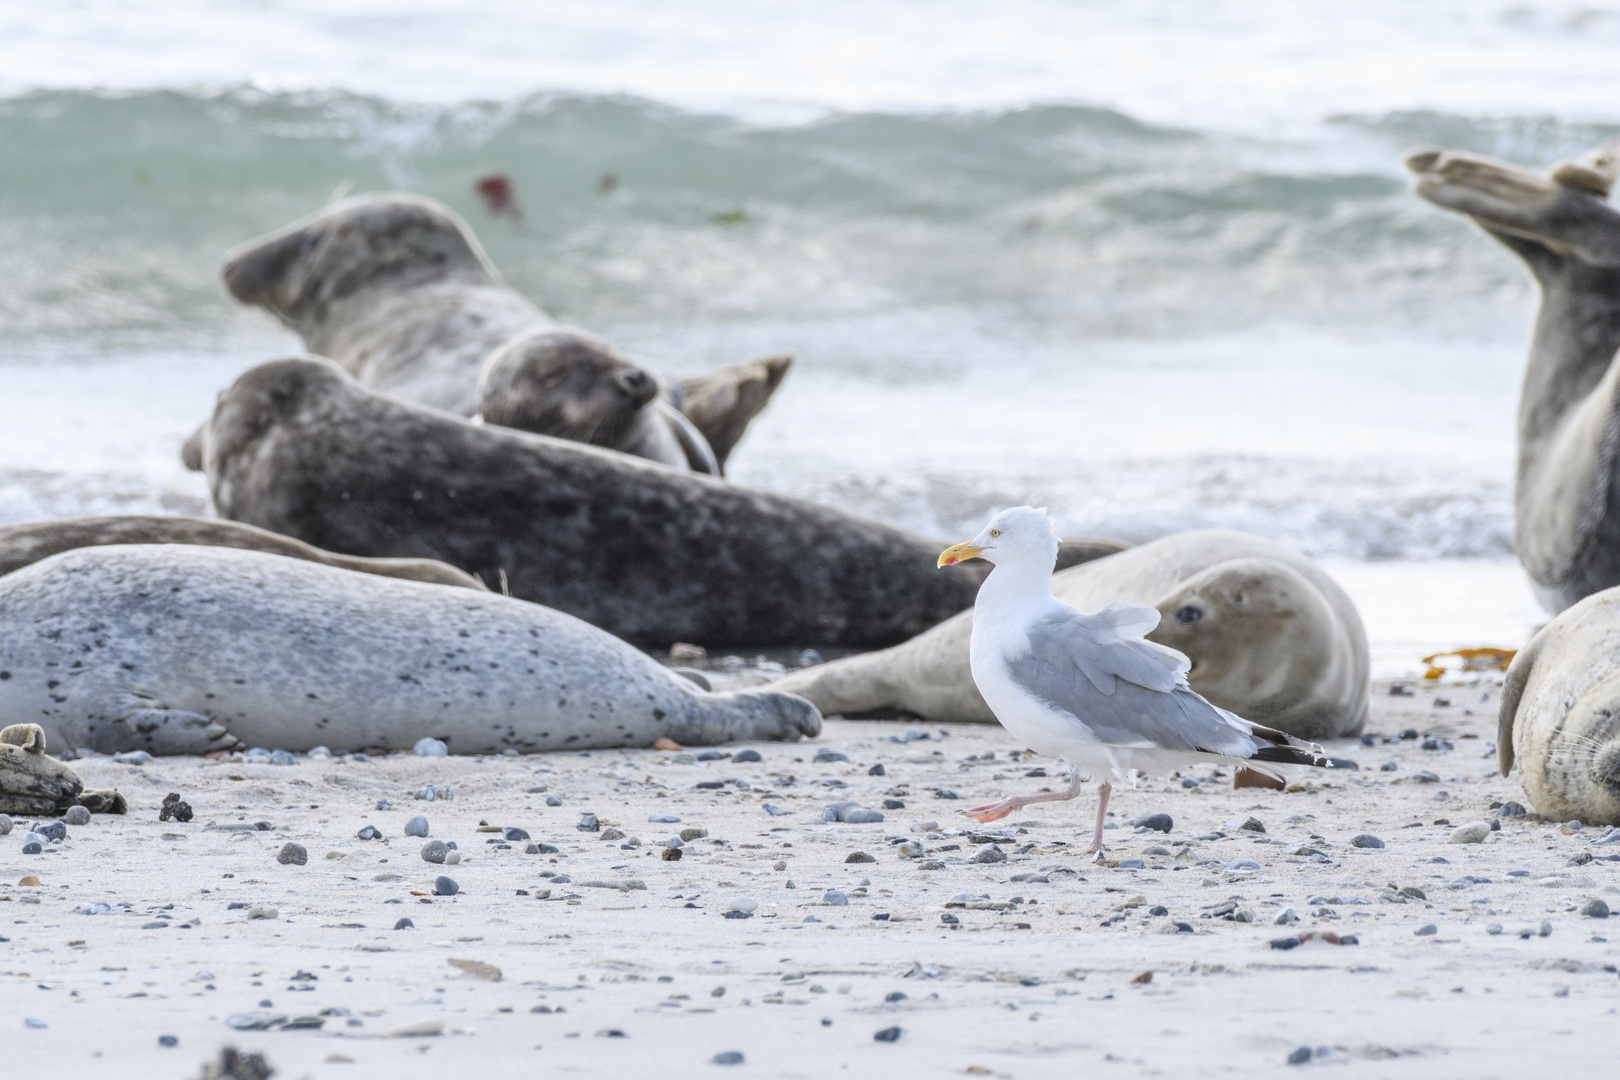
1090	688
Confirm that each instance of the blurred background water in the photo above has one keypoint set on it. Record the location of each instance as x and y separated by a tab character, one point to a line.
1153	265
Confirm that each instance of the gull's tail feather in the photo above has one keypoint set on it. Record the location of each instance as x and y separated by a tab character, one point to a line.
1292	755
1280	748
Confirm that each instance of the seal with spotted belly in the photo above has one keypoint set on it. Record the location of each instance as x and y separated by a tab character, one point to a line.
177	649
1560	714
649	554
1270	635
21	545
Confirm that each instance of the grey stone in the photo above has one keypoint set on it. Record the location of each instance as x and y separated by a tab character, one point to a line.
834	898
889	1035
858	857
1510	809
1366	840
945	793
510	833
1474	832
553	800
5	824
1299	1055
1595	908
729	1057
746	755
33	847
404	924
369	832
1389	766
1160	823
542	849
989	853
877	770
443	886
428	747
1253	825
434	851
293	855
1426	930
825	756
588	823
77	815
417	826
384	804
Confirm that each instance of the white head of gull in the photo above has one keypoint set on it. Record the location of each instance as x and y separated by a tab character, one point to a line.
1090	688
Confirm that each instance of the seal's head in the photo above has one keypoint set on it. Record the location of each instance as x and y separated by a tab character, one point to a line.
1257	632
391	240
566	383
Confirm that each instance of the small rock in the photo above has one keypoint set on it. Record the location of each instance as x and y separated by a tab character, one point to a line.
134	757
1366	840
656	819
1301	1055
553	800
404	924
1426	930
316	753
1285	916
5	824
1389	766
825	756
671	854
610	834
428	747
894	804
1545	929
511	834
945	793
443	886
384	804
369	832
1510	809
693	832
434	851
746	755
860	815
1159	822
34	1022
1494	929
858	857
1253	825
292	855
263	913
542	849
173	809
1595	908
169	1040
743	903
417	826
877	770
910	849
729	1057
1474	832
77	815
834	898
989	853
888	1035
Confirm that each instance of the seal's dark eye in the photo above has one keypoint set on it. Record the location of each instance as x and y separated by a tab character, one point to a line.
1189	615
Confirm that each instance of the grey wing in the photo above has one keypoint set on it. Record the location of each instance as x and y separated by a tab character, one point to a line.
1129	692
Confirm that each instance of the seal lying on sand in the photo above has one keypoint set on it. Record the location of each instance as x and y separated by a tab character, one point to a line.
1565	504
177	649
397	290
559	382
646	553
1271	637
1560	714
28	543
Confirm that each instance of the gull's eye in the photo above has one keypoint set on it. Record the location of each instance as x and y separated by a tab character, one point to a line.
1189	615
994	533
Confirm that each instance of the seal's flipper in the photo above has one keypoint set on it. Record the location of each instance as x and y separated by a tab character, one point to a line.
1518	674
699	455
191	451
723	404
163	731
31	781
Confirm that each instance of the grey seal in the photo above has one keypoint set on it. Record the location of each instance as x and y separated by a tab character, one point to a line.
177	649
1566	508
1559	718
21	545
1270	635
397	290
654	556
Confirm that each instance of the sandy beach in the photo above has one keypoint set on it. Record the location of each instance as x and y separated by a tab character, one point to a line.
613	960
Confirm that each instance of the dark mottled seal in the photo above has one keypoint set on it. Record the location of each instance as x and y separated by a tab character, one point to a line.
1566	504
396	289
32	541
178	649
652	555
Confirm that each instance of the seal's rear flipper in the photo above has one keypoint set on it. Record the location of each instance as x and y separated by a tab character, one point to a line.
723	404
164	731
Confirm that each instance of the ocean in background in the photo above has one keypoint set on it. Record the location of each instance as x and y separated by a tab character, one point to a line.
1152	265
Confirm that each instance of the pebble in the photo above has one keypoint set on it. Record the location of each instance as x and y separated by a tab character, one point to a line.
910	849
317	752
173	809
834	898
775	811
1159	822
77	815
894	804
858	857
877	770
1426	930
1474	832
743	903
553	800
443	886
1366	840
1494	929
263	913
1389	766
510	833
34	1022
1510	809
542	849
404	924
925	826
33	847
671	854
1595	908
695	832
384	804
52	830
369	832
729	1057
1253	825
1299	1056
169	1040
824	756
656	819
945	793
417	826
1286	916
888	1035
292	855
434	793
134	757
5	824
428	747
989	853
434	851
746	755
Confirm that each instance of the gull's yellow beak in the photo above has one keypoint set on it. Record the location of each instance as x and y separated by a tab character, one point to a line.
958	553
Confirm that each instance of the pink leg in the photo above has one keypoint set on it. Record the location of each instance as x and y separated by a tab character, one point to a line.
997	810
1104	789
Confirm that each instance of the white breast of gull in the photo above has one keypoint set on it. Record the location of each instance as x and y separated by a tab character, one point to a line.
1090	688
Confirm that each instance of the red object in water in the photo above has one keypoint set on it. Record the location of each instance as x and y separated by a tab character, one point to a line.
496	191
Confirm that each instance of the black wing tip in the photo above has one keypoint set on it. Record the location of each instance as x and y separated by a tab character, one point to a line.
1291	755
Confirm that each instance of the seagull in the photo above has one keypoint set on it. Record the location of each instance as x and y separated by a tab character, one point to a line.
1090	688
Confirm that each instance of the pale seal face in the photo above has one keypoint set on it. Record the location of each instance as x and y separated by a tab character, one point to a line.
565	383
393	241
